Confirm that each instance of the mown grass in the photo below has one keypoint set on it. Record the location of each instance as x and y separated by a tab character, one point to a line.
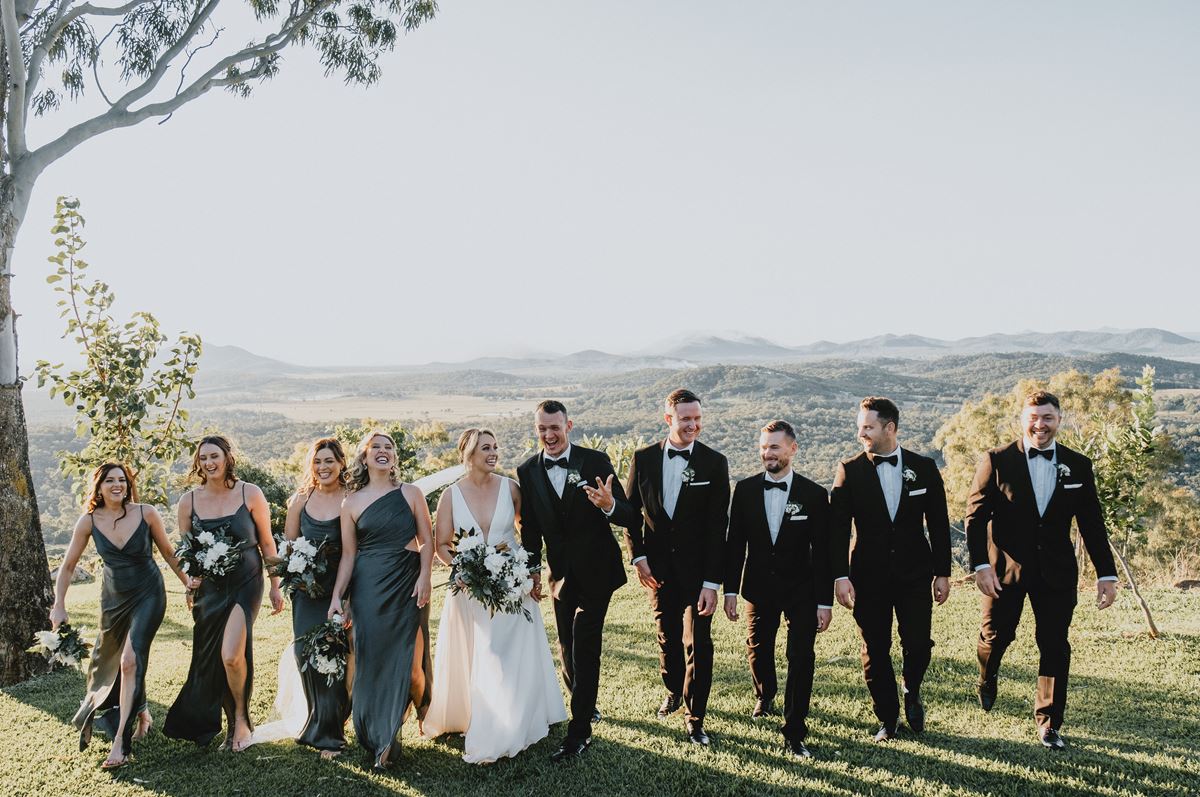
1132	723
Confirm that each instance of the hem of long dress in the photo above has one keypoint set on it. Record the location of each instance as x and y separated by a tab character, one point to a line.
509	753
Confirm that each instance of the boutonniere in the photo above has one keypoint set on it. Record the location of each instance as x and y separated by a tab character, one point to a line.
793	509
1063	471
688	474
910	476
574	477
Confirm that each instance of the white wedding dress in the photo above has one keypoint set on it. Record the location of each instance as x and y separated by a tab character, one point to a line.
493	678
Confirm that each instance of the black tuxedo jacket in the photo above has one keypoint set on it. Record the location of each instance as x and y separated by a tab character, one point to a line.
691	546
581	550
882	547
1005	531
795	567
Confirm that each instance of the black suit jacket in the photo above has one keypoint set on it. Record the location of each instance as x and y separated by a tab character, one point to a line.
581	550
691	546
1005	531
883	547
795	567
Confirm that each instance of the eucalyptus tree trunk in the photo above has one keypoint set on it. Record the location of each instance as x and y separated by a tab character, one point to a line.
25	591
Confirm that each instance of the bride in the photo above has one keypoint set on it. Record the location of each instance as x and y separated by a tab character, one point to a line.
493	678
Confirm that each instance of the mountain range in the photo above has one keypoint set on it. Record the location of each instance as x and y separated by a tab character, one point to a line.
696	350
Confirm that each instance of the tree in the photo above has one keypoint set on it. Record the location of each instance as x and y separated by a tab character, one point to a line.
164	55
128	405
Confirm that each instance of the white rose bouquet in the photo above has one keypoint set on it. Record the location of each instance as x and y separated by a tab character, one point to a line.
497	576
325	648
299	564
209	553
64	645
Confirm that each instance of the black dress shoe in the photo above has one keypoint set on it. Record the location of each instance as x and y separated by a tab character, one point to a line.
670	705
886	732
914	711
1052	739
796	749
571	747
987	693
596	715
696	734
762	708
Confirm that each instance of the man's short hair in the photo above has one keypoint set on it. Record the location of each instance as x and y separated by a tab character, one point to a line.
780	426
551	407
884	407
1039	397
681	396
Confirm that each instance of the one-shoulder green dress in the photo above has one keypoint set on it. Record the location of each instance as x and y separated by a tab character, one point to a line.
132	604
389	630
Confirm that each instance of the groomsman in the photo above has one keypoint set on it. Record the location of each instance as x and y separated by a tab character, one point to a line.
681	488
892	495
568	499
779	527
1019	535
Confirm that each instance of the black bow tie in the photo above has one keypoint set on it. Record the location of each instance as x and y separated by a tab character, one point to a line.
772	485
891	459
1048	453
550	463
678	452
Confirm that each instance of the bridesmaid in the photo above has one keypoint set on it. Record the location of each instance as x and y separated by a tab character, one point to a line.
315	514
224	609
132	604
387	546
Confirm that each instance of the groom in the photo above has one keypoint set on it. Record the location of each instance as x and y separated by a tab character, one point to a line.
568	498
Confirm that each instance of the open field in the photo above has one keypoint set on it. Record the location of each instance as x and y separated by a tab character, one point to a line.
1132	722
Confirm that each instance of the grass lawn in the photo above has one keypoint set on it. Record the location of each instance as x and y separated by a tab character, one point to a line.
1133	722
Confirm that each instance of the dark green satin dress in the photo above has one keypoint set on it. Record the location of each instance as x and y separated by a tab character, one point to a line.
196	713
132	604
328	706
389	630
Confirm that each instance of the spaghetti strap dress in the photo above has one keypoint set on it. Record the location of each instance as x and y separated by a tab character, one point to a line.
390	632
328	705
196	713
132	604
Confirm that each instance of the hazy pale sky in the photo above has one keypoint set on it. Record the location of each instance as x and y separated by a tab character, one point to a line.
568	175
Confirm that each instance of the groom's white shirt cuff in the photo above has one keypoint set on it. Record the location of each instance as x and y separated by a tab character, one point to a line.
635	561
714	586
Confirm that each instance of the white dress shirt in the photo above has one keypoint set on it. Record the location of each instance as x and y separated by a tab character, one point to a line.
557	475
673	468
891	480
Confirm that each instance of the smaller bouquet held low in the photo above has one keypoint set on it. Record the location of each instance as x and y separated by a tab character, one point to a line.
210	553
64	645
325	648
497	576
298	565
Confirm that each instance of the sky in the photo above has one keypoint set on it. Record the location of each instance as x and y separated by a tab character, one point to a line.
559	176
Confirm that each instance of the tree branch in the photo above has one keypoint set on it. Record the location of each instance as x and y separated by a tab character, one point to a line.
186	64
15	112
42	49
164	61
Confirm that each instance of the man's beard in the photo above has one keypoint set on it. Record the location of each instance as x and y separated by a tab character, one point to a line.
776	466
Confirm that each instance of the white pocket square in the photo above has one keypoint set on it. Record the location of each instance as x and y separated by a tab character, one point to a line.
798	517
699	484
1072	486
918	492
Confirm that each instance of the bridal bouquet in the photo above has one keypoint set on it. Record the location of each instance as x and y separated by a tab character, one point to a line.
298	564
61	646
325	648
495	575
210	553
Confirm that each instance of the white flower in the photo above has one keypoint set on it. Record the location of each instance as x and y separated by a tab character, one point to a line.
205	538
70	661
325	665
303	546
910	475
469	541
574	477
48	639
494	562
792	509
1063	471
297	564
687	475
185	566
527	586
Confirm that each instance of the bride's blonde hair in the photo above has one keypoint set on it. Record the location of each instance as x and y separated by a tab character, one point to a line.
468	442
359	473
